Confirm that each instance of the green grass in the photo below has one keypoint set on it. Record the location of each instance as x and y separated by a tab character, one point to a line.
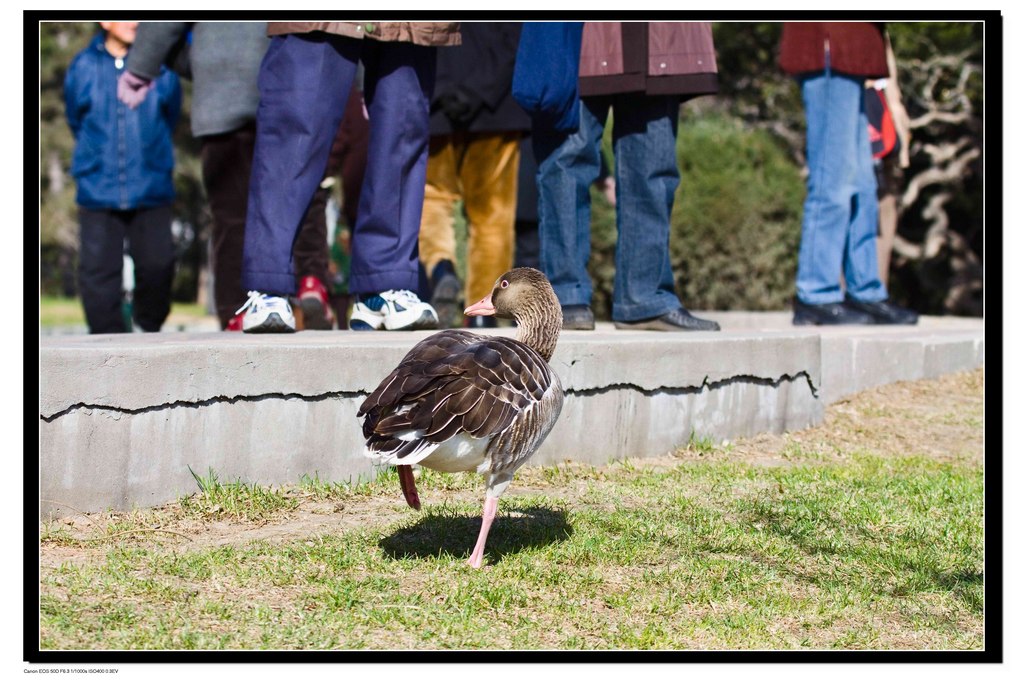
238	500
874	553
60	312
700	444
67	312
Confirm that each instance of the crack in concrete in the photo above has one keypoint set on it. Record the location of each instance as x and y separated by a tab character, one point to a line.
341	395
705	384
206	402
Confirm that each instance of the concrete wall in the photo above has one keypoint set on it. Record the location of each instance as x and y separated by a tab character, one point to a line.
123	418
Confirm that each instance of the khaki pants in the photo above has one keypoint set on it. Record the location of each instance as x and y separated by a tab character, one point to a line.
482	170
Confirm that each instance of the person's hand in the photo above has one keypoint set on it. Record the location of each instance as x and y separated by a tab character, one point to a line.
460	105
132	89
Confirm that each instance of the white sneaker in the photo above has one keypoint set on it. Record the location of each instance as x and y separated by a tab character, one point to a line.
267	315
394	310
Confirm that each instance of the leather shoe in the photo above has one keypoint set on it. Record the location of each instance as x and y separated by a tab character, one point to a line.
679	320
828	313
577	317
883	312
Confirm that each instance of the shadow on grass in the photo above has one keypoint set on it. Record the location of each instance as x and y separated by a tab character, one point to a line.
907	566
444	531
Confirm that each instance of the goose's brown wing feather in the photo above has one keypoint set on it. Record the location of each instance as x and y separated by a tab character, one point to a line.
453	382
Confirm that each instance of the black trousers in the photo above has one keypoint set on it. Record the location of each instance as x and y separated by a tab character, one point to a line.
101	260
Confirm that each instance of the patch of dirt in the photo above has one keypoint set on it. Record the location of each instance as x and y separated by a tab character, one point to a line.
937	418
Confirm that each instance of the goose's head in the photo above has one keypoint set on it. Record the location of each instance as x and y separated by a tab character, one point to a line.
515	292
525	295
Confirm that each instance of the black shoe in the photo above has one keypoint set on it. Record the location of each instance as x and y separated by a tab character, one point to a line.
481	322
577	317
445	295
676	321
883	312
828	313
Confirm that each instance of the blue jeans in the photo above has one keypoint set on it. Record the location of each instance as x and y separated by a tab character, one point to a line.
646	177
304	85
840	220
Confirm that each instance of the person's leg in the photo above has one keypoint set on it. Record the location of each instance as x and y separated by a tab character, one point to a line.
227	165
304	82
437	225
312	265
489	174
566	167
100	263
527	236
646	177
151	246
437	229
832	104
310	252
887	220
865	291
527	245
860	263
349	155
399	83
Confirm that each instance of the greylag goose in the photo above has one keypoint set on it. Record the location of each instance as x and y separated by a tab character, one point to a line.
459	401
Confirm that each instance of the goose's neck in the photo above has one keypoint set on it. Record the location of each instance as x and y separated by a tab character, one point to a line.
539	325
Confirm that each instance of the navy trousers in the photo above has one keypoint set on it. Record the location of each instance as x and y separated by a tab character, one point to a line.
304	83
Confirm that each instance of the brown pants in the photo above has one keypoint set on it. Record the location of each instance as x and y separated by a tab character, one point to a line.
482	170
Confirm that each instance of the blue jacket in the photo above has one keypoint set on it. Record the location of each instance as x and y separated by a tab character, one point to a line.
545	80
123	157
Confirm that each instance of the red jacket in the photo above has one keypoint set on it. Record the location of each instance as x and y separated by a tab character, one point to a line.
856	48
655	58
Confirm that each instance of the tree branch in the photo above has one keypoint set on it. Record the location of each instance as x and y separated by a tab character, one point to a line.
955	118
936	175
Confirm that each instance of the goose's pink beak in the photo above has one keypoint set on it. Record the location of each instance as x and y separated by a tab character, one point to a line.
481	307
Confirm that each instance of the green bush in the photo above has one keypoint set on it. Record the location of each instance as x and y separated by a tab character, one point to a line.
735	223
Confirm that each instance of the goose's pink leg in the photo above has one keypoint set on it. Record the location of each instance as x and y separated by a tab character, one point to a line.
490	509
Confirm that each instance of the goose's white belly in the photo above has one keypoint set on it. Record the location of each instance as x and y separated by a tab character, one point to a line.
459	453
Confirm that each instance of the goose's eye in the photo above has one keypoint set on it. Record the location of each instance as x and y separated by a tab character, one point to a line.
504	284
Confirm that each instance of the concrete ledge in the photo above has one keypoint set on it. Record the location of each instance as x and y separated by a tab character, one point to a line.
124	417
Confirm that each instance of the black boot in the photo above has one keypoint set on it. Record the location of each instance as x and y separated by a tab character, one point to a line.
679	320
883	312
827	313
446	292
577	317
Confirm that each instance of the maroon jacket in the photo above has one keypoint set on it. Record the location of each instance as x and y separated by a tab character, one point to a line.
857	48
655	58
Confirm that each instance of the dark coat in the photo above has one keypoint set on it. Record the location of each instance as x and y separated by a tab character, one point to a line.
856	48
654	58
428	33
123	157
480	72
